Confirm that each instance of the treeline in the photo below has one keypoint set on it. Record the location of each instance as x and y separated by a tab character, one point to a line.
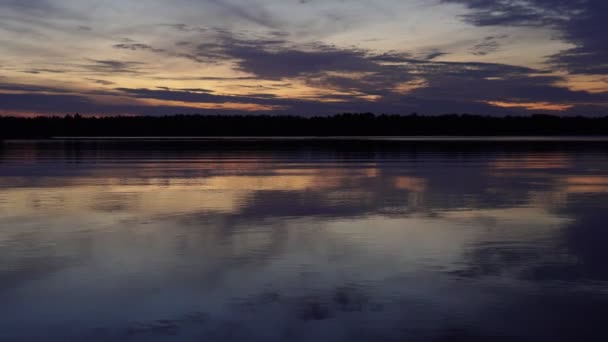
339	125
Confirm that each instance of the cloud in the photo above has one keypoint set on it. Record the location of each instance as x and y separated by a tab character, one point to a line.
325	78
11	87
579	22
102	82
185	28
206	78
314	63
286	63
364	72
61	104
353	80
436	54
193	95
473	81
519	12
43	70
110	66
487	46
134	46
137	46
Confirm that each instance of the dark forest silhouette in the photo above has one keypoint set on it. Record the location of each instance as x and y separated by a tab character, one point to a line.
339	125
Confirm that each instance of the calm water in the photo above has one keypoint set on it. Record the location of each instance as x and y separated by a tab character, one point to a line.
297	241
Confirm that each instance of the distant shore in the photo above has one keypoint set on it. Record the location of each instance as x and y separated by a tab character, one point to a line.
351	126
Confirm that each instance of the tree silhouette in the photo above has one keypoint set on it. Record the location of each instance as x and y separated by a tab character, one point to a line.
348	124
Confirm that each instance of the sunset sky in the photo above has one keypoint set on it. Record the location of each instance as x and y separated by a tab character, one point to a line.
308	57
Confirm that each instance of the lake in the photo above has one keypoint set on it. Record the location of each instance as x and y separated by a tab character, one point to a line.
304	240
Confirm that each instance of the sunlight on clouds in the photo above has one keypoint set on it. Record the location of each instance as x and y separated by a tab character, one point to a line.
248	107
531	105
334	54
588	83
408	87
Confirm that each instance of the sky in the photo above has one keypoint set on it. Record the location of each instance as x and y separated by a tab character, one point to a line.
304	57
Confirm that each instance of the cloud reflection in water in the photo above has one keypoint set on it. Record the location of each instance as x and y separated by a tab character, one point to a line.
302	245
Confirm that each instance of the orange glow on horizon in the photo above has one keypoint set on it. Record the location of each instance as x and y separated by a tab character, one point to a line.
35	114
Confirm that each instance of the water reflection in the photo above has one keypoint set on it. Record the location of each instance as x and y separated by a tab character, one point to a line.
106	242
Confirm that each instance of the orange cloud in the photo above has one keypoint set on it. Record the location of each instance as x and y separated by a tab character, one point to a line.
251	107
531	105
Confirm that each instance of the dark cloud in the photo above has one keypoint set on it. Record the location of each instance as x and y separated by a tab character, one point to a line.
503	87
191	95
276	86
185	28
195	90
29	88
519	12
59	104
289	106
315	63
580	22
134	46
110	66
137	46
102	82
362	72
433	55
273	57
41	71
487	46
288	63
206	78
392	103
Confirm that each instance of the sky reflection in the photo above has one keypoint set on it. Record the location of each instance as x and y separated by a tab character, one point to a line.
306	245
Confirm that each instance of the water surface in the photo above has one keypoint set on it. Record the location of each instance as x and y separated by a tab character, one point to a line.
227	240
